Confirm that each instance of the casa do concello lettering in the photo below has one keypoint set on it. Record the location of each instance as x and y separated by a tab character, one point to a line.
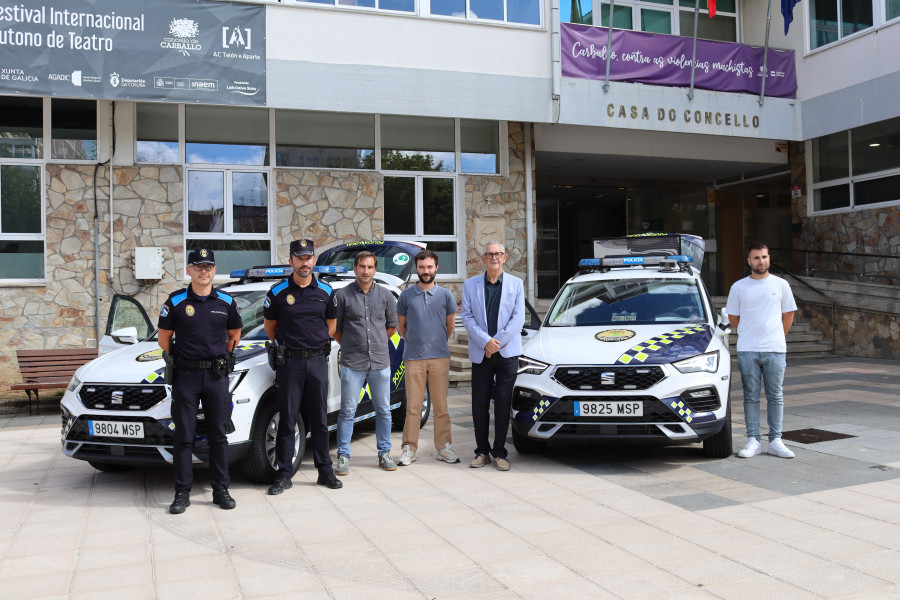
698	117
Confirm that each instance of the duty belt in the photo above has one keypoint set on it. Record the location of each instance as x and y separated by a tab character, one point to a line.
194	365
304	353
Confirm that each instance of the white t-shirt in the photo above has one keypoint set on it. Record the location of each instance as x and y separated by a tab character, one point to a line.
760	303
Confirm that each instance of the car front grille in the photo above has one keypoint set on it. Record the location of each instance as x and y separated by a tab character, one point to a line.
121	397
608	378
154	433
145	452
563	411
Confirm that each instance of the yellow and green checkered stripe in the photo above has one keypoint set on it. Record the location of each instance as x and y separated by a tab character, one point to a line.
660	343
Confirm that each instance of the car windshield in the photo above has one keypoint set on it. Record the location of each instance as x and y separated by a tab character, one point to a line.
627	301
391	259
250	303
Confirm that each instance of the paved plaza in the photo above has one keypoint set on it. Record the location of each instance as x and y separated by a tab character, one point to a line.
578	522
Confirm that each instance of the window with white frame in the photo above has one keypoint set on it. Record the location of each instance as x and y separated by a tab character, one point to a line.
674	17
226	135
156	133
832	20
891	9
856	168
521	12
74	129
228	211
21	188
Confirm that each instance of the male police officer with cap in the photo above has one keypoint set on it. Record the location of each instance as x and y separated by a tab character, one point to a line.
206	325
300	314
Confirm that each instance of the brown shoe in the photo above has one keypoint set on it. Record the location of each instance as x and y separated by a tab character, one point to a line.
502	464
480	461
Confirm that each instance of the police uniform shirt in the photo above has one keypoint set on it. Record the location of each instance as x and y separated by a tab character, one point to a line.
301	313
200	323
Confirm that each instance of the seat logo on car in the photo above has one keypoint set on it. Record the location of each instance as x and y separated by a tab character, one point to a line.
608	378
117	396
614	335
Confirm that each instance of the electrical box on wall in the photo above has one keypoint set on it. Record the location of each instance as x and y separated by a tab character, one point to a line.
148	263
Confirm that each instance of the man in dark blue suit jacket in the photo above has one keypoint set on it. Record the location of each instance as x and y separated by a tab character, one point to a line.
493	313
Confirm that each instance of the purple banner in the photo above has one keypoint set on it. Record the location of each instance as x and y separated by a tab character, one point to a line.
666	60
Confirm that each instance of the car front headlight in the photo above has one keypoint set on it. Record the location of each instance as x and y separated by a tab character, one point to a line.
530	366
234	380
707	363
73	385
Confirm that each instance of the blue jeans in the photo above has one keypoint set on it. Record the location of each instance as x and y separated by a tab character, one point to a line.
352	382
768	366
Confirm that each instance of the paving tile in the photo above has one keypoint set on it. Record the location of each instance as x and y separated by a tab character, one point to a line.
459	583
834	546
393	588
830	580
565	590
273	573
122	578
644	583
760	586
49	585
709	570
202	586
524	572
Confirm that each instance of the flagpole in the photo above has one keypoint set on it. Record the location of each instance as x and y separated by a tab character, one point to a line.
694	56
762	87
612	10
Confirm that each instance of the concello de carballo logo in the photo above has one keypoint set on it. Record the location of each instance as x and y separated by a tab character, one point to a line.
184	36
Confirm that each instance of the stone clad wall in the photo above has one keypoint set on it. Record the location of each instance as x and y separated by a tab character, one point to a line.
328	207
60	313
497	204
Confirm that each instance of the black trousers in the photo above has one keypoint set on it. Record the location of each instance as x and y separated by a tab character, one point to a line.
303	388
190	388
493	377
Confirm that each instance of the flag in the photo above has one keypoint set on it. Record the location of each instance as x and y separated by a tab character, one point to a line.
787	9
712	8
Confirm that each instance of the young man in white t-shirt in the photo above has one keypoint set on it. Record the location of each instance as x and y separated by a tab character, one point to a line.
761	308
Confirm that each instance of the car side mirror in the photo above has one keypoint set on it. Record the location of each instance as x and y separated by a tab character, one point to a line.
126	335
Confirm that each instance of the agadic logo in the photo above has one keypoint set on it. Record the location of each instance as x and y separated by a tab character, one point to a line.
114	79
184	38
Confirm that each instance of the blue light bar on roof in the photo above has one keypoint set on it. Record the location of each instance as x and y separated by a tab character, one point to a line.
276	272
627	261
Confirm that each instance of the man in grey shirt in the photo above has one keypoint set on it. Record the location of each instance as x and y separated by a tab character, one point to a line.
366	318
426	318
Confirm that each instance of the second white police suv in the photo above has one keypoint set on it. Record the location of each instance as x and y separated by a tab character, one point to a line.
631	351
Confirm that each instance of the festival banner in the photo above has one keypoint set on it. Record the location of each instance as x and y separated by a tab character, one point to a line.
172	50
666	60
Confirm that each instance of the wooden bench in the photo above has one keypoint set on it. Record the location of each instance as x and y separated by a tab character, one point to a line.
48	370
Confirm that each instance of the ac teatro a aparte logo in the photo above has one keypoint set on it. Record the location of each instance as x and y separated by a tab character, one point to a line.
690	116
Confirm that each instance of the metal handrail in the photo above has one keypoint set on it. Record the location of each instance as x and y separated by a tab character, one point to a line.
834	303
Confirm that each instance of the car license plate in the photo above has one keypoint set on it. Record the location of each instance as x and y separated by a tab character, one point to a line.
116	429
609	409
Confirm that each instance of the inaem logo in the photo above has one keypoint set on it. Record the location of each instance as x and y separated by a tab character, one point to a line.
235	36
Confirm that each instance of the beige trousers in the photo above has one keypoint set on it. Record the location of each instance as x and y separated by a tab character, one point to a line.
435	372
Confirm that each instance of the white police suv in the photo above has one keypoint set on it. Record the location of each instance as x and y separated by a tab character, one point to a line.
116	412
631	351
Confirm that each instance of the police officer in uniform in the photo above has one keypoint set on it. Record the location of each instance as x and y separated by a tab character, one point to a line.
206	324
300	315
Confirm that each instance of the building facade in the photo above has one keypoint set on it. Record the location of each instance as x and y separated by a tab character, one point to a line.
452	122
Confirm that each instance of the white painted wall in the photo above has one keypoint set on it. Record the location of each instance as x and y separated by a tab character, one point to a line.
346	37
872	54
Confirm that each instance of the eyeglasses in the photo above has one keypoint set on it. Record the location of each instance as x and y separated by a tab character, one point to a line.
204	268
494	254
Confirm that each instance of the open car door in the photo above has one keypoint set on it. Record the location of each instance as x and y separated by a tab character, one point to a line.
127	323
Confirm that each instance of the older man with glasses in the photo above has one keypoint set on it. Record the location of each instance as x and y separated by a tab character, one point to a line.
493	313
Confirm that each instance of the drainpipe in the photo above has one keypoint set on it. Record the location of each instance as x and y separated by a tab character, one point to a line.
556	65
609	28
529	213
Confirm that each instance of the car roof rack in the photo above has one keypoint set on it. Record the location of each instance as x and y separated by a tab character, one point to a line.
666	263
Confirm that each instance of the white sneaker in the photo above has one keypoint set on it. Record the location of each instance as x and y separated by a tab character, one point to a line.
407	456
752	448
777	448
448	455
